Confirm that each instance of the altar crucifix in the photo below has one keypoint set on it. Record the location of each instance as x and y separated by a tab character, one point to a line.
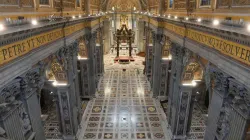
124	35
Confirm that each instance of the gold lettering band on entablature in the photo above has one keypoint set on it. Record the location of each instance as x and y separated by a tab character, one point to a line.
20	48
234	50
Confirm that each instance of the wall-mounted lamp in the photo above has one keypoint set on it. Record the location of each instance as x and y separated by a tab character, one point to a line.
34	22
216	22
1	27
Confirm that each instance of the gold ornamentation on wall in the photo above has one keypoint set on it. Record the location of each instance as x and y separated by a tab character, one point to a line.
193	71
66	4
225	47
224	3
82	49
240	2
180	4
124	6
58	71
166	49
124	20
83	5
26	3
14	50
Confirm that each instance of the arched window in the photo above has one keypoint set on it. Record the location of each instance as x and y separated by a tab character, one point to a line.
171	2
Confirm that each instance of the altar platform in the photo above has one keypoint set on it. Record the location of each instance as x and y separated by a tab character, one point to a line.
124	59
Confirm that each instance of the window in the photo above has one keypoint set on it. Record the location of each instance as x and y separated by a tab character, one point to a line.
77	3
171	3
44	2
205	2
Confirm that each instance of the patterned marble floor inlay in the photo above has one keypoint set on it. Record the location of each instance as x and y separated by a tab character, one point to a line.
124	107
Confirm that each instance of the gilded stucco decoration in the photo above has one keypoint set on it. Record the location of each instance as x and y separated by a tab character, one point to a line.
82	48
123	6
193	71
153	5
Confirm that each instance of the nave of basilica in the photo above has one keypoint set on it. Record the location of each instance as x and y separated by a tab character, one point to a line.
132	70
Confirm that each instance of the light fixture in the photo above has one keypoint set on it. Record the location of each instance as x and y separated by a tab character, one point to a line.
193	83
199	19
164	15
248	27
134	8
167	58
73	17
216	22
80	16
59	84
175	17
82	58
1	27
187	18
34	22
169	16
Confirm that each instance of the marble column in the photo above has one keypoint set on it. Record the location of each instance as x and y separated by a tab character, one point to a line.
161	7
164	75
159	41
175	80
90	40
140	45
220	91
87	7
84	72
107	37
76	82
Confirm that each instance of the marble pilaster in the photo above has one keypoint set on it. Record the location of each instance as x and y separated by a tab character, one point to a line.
84	76
31	85
220	92
66	112
90	40
175	81
182	114
159	41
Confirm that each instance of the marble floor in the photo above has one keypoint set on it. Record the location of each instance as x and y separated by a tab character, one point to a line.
124	107
51	124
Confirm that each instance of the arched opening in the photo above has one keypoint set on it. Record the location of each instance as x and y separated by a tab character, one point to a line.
194	76
50	114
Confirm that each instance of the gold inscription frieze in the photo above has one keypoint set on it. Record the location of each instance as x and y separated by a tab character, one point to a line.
20	48
232	49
